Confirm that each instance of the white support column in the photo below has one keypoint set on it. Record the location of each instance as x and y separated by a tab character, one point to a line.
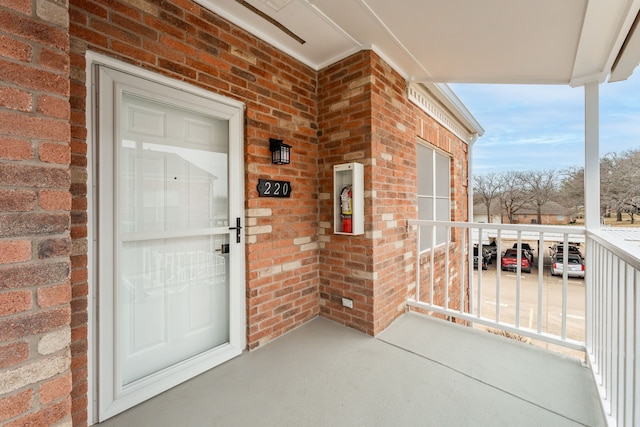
591	195
470	219
591	156
470	179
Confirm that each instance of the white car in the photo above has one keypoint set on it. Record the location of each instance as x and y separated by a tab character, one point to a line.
575	268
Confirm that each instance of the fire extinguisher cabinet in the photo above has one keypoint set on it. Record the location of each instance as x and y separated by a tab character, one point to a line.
348	200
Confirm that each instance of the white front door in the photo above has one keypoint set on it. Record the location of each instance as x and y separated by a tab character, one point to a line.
170	254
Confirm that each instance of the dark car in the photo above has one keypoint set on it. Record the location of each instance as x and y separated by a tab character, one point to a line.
558	249
492	247
486	258
509	261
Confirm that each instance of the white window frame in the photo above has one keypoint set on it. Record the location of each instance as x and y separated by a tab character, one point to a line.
429	176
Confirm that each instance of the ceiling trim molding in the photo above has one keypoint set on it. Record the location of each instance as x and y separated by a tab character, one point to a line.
428	103
600	77
629	55
627	28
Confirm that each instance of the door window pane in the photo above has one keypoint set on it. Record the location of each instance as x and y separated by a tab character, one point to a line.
173	168
174	302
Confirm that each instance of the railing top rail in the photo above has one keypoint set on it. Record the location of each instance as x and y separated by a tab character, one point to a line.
626	251
536	228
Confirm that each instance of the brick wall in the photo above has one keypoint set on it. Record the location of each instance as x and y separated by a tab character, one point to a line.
35	204
365	116
394	138
344	106
189	43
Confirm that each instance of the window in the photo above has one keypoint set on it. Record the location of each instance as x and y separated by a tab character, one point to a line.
434	195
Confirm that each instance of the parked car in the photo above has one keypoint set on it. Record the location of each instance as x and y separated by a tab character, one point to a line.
575	265
486	258
558	249
509	261
492	247
527	249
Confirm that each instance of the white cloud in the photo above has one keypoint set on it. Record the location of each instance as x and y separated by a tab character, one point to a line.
542	127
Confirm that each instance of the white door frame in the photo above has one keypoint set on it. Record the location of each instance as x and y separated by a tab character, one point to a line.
236	186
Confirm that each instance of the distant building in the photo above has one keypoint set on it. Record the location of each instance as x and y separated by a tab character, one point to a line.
552	214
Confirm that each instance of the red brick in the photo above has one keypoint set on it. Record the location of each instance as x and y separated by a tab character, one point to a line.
24	175
25	26
79	414
56	61
33	78
54	295
50	415
134	27
78	232
17	200
79	275
12	406
52	200
55	153
94	38
20	125
12	251
79	204
14	302
15	99
79	334
22	6
33	224
15	149
132	52
33	275
13	354
15	49
17	327
55	389
53	106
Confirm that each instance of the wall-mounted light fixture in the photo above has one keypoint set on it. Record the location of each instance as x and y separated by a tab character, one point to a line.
280	152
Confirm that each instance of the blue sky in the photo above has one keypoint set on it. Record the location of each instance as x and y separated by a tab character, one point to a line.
542	127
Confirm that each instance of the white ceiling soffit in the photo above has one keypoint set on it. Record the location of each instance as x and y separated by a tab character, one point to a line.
461	41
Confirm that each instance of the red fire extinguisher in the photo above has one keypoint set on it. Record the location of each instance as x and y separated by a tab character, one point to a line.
346	209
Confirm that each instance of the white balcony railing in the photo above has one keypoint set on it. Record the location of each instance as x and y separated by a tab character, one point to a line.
599	316
613	322
537	308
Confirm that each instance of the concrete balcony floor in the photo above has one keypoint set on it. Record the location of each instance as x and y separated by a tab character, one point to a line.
421	371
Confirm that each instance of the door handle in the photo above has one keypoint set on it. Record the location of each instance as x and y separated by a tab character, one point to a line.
238	227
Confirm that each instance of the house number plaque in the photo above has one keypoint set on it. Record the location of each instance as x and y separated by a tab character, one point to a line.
273	188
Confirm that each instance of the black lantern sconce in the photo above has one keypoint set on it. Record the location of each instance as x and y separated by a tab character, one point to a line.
280	152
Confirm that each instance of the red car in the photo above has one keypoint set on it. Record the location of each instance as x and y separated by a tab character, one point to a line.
509	261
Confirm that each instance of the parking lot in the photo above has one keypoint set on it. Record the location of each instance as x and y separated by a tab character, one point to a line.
550	293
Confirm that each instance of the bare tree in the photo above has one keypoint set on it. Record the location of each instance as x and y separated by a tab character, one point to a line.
540	187
620	182
487	189
571	190
512	197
